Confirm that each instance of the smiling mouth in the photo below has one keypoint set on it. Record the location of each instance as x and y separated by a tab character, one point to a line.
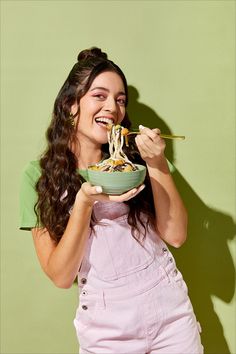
104	121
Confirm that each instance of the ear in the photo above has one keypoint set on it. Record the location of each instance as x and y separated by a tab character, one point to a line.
75	109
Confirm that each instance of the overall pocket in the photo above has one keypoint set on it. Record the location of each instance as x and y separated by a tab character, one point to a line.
115	253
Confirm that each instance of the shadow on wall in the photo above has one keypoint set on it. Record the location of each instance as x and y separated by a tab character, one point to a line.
205	259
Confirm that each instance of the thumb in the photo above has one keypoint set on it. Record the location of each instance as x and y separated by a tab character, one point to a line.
97	189
90	190
156	130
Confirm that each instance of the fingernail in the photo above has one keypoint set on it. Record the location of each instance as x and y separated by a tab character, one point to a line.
134	191
64	195
141	127
98	189
142	187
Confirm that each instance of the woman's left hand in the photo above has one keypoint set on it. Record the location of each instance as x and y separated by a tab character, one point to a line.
150	145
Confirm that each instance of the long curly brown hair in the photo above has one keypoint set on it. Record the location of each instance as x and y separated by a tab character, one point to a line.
58	163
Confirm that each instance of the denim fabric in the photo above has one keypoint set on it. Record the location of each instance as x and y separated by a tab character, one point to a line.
132	297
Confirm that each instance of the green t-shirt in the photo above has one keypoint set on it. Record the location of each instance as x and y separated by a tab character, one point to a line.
29	197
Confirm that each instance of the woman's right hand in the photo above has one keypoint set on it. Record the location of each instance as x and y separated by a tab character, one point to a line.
90	194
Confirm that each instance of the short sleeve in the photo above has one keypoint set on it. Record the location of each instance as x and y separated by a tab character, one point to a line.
28	196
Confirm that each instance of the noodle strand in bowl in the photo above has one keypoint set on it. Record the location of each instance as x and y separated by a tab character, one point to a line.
117	174
118	161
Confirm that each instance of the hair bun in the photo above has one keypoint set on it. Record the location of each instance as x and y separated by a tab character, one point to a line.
93	52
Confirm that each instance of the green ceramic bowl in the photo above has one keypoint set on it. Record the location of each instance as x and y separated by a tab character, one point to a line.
117	182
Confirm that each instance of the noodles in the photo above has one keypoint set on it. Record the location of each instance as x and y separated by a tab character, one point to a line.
117	161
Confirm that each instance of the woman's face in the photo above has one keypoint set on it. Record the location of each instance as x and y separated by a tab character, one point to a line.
103	104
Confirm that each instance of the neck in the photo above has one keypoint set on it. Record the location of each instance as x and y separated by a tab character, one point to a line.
87	154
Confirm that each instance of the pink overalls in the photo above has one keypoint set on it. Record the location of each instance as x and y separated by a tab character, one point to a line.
133	299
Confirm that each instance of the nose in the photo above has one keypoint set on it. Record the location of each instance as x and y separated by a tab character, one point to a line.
110	105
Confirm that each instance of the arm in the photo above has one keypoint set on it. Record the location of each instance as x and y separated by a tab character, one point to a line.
61	261
171	215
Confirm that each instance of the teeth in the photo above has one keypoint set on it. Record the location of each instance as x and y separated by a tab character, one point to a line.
104	120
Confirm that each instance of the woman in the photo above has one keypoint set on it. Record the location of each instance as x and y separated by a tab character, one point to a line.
132	297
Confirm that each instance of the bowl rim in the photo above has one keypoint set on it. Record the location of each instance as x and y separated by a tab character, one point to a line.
140	168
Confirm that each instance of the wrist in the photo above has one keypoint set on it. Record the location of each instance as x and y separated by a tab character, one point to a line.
159	163
83	199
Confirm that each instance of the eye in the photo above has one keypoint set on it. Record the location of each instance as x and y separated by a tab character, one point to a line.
121	101
99	96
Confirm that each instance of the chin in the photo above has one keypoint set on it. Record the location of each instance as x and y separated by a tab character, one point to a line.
102	141
101	138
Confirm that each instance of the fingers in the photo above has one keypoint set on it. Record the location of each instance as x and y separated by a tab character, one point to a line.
143	146
148	136
153	134
88	193
157	131
94	193
149	143
137	192
90	190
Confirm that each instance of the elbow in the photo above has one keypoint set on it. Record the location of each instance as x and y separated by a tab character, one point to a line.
182	234
62	281
180	238
178	242
173	239
62	284
176	236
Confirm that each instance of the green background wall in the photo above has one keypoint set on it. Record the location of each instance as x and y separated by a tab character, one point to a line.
179	59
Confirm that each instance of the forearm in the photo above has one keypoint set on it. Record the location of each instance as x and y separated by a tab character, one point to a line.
64	262
171	215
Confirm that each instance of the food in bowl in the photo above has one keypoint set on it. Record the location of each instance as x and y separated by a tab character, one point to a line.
118	161
116	174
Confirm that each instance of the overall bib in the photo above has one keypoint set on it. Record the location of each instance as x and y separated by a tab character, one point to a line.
132	298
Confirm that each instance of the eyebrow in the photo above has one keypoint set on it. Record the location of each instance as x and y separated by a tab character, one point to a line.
105	89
